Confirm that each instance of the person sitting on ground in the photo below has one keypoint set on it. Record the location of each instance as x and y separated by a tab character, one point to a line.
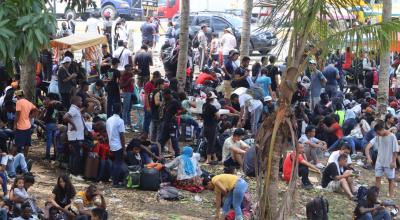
89	101
26	213
86	200
102	149
233	188
313	146
345	149
386	144
332	130
269	106
234	149
189	171
206	75
323	107
334	179
186	115
97	91
62	196
20	195
370	208
15	163
304	167
138	155
98	214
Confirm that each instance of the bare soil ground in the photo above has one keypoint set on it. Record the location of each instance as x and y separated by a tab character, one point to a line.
135	204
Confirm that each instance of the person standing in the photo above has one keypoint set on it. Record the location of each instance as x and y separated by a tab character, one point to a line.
148	32
71	23
112	87
115	131
24	111
264	81
214	49
228	43
386	144
210	118
170	108
241	74
123	54
170	34
273	73
92	24
229	68
149	87
107	27
155	100
203	45
75	135
318	81
66	81
331	73
126	84
52	107
143	60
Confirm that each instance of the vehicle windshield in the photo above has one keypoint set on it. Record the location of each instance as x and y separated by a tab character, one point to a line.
162	2
237	22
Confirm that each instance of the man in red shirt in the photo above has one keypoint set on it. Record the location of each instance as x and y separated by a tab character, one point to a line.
304	167
149	87
206	75
127	86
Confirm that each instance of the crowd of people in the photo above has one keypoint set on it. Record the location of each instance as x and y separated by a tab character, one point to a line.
132	118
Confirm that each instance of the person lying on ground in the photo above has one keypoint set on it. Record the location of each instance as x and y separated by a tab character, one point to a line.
85	201
386	144
233	188
370	208
313	147
62	196
334	180
234	149
189	171
303	169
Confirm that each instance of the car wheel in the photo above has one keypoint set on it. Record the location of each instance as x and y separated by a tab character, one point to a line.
70	12
111	9
263	52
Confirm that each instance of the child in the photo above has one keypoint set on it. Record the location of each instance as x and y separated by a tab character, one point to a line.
98	214
102	149
20	194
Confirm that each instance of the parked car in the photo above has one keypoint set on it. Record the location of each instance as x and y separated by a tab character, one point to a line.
262	41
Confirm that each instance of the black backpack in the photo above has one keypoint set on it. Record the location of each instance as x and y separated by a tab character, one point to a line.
317	209
150	179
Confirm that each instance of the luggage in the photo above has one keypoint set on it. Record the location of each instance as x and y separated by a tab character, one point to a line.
317	209
150	179
133	180
91	166
169	193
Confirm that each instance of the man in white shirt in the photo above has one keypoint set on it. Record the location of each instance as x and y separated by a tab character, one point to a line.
203	45
334	157
253	106
234	149
75	134
92	25
228	42
123	54
115	131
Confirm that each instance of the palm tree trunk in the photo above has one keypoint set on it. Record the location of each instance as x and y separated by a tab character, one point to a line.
383	91
183	44
245	37
28	78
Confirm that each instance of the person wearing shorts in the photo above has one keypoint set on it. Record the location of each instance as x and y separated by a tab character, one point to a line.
386	144
336	179
22	125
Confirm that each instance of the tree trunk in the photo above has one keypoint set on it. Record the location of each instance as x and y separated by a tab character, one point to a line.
183	44
245	37
28	78
383	91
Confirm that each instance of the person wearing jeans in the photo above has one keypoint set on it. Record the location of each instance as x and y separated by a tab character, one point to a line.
127	103
355	143
115	131
15	163
234	188
51	129
127	86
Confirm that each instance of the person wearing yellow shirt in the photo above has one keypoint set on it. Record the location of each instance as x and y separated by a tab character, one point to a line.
233	189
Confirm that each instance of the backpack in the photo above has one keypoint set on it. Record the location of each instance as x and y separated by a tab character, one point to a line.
133	178
150	179
317	209
169	193
362	193
256	92
195	41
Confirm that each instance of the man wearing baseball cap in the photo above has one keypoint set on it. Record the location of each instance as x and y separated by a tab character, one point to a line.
24	110
66	81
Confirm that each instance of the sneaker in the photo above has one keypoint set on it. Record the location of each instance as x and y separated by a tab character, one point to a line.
127	128
320	166
308	187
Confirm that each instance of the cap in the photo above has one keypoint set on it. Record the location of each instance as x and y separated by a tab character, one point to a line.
66	60
19	93
211	95
239	132
267	98
312	62
229	30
